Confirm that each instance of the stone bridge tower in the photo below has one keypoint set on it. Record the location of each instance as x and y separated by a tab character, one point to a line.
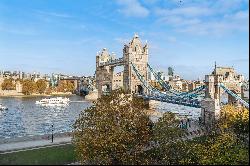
136	53
210	105
133	52
104	74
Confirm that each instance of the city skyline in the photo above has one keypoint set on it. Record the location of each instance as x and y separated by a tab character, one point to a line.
64	36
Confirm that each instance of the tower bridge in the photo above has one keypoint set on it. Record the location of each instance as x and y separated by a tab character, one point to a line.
135	81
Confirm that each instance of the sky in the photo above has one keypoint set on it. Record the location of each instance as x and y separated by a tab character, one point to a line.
63	36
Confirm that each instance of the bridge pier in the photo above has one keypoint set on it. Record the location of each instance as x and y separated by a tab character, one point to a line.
210	105
210	112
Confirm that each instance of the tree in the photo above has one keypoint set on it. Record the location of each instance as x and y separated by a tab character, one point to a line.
28	87
229	145
170	148
48	90
41	86
115	130
223	149
8	84
70	87
236	120
167	129
65	86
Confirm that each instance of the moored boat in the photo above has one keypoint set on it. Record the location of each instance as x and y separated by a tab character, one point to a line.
56	101
3	107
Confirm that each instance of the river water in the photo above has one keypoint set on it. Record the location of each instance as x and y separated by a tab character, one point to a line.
25	118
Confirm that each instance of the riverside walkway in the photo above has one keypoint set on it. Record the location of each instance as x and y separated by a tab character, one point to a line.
9	147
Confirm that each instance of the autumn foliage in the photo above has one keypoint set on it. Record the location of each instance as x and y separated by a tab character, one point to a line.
116	130
8	84
41	86
29	86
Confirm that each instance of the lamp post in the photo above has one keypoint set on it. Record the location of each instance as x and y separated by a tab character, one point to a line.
52	136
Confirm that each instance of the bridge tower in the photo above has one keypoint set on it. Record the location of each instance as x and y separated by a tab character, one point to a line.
136	53
104	74
210	105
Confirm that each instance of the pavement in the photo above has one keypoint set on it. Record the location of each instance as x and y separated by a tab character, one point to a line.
24	145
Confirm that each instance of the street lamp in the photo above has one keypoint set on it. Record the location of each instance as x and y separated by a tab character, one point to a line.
52	133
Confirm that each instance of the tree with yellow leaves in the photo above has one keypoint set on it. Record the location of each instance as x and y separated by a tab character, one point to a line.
28	87
223	149
65	86
8	84
41	86
236	120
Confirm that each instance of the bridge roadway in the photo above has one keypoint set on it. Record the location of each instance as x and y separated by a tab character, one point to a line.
112	63
181	101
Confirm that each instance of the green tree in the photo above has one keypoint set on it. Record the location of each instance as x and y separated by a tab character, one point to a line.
168	137
167	129
8	84
41	86
224	147
115	130
28	87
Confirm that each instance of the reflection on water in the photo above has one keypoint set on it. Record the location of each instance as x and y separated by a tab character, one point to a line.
24	117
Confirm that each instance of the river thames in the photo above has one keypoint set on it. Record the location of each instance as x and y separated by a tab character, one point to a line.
25	118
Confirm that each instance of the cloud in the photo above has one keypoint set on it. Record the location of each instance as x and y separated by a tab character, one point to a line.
53	14
217	28
18	30
205	26
132	8
171	39
121	40
179	21
191	11
228	5
206	17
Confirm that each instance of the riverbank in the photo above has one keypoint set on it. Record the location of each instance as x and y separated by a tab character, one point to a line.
37	95
34	138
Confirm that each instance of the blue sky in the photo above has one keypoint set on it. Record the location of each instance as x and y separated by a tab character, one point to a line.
64	35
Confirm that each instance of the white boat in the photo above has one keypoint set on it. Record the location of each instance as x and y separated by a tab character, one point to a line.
2	107
56	101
